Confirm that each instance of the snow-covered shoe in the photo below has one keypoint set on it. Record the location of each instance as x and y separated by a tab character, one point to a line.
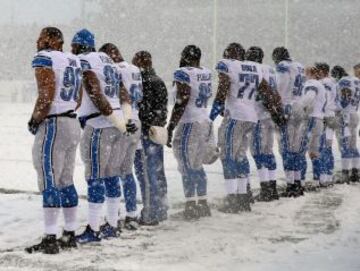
299	188
107	231
48	245
265	192
88	236
67	240
273	190
143	222
131	223
230	205
354	177
203	208
191	211
244	202
291	191
345	177
251	196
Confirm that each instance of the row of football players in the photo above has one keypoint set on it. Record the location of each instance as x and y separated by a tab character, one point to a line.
304	107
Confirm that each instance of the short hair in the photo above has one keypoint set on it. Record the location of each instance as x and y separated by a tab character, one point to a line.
234	48
322	66
190	54
254	53
53	32
357	66
107	47
338	72
280	54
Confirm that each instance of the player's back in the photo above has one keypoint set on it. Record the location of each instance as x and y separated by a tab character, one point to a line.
319	102
270	77
353	84
245	78
330	87
199	80
67	70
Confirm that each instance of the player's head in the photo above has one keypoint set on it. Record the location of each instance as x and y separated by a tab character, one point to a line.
338	72
112	51
255	54
357	70
143	60
234	51
323	68
279	54
190	56
312	72
51	38
83	42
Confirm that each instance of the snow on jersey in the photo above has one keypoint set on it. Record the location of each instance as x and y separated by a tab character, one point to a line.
270	78
245	78
352	83
67	69
319	102
107	73
330	87
131	78
290	80
199	80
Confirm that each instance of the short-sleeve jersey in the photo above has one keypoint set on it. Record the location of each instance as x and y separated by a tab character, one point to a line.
319	103
131	78
290	80
109	77
270	78
199	80
352	83
330	87
245	77
67	70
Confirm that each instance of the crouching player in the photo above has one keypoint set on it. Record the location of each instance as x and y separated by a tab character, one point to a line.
106	108
57	134
190	118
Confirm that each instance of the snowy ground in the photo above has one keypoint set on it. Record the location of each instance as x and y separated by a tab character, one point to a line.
317	232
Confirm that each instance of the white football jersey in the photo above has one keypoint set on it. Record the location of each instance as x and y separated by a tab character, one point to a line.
199	79
68	73
270	78
352	83
290	80
317	108
245	78
131	78
330	87
109	78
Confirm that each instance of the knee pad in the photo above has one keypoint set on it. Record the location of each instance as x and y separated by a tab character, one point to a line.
269	161
96	190
230	168
243	167
112	187
51	198
69	197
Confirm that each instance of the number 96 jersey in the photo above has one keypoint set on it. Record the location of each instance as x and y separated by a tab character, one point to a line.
67	69
245	77
199	80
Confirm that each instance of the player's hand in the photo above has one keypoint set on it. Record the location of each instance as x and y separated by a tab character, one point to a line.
82	121
313	155
33	126
131	128
170	136
331	122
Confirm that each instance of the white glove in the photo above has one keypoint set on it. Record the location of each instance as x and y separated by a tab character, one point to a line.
118	122
158	135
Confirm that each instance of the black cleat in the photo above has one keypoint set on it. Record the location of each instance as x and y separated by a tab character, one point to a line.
191	211
345	177
251	196
244	202
67	240
265	192
273	190
203	208
48	245
131	223
230	205
291	191
299	188
354	177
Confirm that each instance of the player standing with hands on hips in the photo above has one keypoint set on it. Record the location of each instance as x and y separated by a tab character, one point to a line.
57	134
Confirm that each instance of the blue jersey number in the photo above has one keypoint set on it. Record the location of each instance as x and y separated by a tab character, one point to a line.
136	95
298	85
204	95
250	83
71	82
111	81
356	98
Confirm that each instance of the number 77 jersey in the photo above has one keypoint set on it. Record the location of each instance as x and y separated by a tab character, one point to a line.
199	80
245	77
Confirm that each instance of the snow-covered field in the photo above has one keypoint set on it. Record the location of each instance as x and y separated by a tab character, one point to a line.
319	231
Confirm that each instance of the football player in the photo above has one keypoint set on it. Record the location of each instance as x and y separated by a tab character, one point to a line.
57	134
106	117
190	118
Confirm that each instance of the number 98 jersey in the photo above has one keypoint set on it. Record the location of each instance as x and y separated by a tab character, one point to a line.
68	73
199	80
245	77
352	83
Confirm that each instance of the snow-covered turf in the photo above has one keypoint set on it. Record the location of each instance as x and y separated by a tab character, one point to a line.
317	232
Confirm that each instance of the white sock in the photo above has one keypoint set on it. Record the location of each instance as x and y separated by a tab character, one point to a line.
297	175
346	163
231	186
272	175
289	177
94	214
70	218
263	175
113	206
356	163
329	178
50	220
323	178
242	185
